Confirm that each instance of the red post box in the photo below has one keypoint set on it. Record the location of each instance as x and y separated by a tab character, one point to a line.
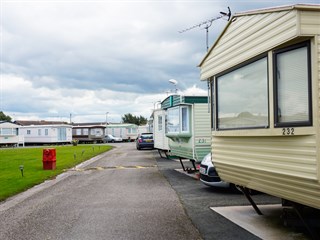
49	159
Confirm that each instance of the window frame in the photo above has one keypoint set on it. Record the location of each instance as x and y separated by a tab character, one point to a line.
7	131
180	131
78	131
187	119
85	131
307	123
215	98
168	120
160	121
213	102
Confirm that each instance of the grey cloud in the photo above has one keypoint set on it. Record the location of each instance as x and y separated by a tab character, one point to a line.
120	47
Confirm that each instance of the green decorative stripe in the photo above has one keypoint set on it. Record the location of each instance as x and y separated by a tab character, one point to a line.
176	100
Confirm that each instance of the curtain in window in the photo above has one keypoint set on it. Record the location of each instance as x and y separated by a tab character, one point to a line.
292	85
173	120
184	119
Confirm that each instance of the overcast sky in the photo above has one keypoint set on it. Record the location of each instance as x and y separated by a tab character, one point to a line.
103	59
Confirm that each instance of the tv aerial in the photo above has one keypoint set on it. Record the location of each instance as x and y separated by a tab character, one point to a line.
207	24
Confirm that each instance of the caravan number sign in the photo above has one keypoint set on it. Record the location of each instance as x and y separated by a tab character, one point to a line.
287	131
202	140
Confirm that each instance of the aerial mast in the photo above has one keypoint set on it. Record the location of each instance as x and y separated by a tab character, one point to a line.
207	24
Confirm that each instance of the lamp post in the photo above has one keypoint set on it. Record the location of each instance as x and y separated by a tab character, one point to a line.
107	123
174	82
155	104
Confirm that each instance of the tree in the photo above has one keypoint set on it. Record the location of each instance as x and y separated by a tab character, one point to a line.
129	118
4	117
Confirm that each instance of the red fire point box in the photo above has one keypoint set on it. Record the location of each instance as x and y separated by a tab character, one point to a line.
49	159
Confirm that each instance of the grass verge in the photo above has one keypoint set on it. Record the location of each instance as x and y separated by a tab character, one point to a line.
11	178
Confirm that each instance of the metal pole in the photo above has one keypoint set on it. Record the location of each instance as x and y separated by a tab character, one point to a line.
107	123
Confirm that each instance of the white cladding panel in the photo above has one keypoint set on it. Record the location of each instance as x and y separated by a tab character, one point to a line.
9	139
202	122
247	37
317	99
283	165
310	22
9	125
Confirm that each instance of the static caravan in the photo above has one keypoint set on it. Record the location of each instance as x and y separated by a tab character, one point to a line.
145	128
45	133
126	131
161	141
88	132
188	126
9	134
264	73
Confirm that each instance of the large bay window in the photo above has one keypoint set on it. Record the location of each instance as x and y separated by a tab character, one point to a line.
292	86
8	131
242	97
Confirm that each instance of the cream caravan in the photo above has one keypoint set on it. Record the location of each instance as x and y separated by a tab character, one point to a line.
126	131
9	134
264	72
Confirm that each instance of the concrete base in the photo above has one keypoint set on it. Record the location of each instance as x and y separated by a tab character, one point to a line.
267	226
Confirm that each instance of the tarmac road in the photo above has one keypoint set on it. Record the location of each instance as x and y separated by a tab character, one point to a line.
122	195
198	198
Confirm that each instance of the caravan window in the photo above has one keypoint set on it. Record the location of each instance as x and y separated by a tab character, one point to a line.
242	97
292	86
178	120
173	120
62	134
159	123
184	119
7	131
132	130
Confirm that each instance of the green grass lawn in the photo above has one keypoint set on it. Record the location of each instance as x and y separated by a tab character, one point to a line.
11	179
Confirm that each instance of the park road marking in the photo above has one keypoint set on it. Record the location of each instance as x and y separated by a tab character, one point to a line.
99	168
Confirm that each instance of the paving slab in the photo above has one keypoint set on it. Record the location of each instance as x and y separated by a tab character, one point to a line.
267	226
